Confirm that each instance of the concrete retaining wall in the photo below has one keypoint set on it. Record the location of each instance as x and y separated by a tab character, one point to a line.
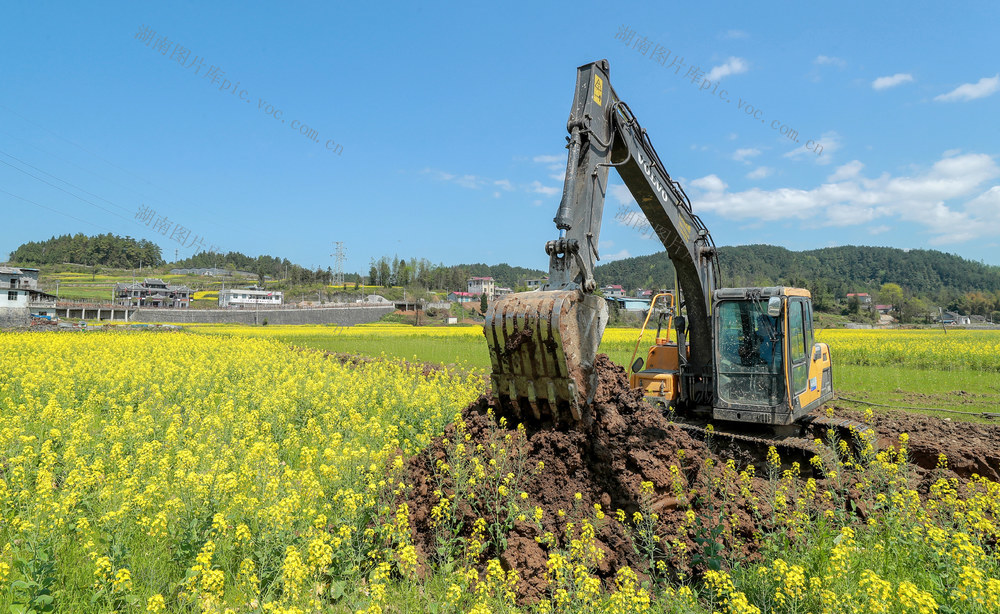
14	317
346	316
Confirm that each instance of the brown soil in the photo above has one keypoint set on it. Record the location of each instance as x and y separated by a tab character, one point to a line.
626	443
971	448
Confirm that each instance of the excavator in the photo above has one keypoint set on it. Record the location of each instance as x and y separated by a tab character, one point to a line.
737	355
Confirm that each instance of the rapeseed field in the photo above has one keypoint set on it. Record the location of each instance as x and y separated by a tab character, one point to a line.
168	471
191	472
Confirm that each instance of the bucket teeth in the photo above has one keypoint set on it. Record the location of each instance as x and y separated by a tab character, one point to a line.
542	349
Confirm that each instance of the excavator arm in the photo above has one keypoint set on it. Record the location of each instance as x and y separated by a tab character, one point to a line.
543	343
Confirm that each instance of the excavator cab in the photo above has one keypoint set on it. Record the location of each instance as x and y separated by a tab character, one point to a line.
658	375
769	368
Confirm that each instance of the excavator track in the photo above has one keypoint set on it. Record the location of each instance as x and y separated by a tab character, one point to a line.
800	447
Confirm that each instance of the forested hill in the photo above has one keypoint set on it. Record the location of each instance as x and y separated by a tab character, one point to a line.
831	270
104	250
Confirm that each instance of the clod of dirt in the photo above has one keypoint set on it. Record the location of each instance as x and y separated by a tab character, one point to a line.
519	338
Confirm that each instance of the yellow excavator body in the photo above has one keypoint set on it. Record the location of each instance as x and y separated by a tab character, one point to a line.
659	378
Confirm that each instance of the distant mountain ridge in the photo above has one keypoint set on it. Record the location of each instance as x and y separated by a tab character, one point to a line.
829	270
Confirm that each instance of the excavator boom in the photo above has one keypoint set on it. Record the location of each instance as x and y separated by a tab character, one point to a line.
543	343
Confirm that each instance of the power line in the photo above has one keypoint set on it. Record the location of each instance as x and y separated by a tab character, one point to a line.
113	204
9	110
65	191
235	224
57	211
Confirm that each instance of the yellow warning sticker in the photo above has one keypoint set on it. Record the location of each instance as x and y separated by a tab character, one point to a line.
598	88
685	229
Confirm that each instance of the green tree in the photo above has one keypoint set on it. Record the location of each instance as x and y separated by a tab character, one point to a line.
913	309
482	303
891	294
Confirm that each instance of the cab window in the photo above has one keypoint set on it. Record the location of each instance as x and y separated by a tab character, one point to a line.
748	348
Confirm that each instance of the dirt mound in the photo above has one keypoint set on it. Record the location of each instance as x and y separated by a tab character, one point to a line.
611	460
971	448
605	462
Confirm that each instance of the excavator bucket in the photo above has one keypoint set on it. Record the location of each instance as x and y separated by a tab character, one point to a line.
542	346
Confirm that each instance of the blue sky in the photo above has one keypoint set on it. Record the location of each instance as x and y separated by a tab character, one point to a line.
449	121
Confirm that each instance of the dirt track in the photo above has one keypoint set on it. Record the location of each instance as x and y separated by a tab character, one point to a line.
629	443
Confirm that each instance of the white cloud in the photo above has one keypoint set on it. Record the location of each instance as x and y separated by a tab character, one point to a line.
955	200
560	176
970	91
548	159
884	83
734	34
617	256
538	188
828	59
621	194
760	172
475	182
847	171
877	230
741	155
439	175
468	181
709	183
828	143
951	152
732	66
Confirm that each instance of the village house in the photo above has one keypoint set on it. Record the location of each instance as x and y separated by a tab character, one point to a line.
242	297
20	296
482	285
864	299
152	292
462	297
613	291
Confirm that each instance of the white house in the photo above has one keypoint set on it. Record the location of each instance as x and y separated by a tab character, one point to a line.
864	299
613	291
15	287
240	297
482	285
